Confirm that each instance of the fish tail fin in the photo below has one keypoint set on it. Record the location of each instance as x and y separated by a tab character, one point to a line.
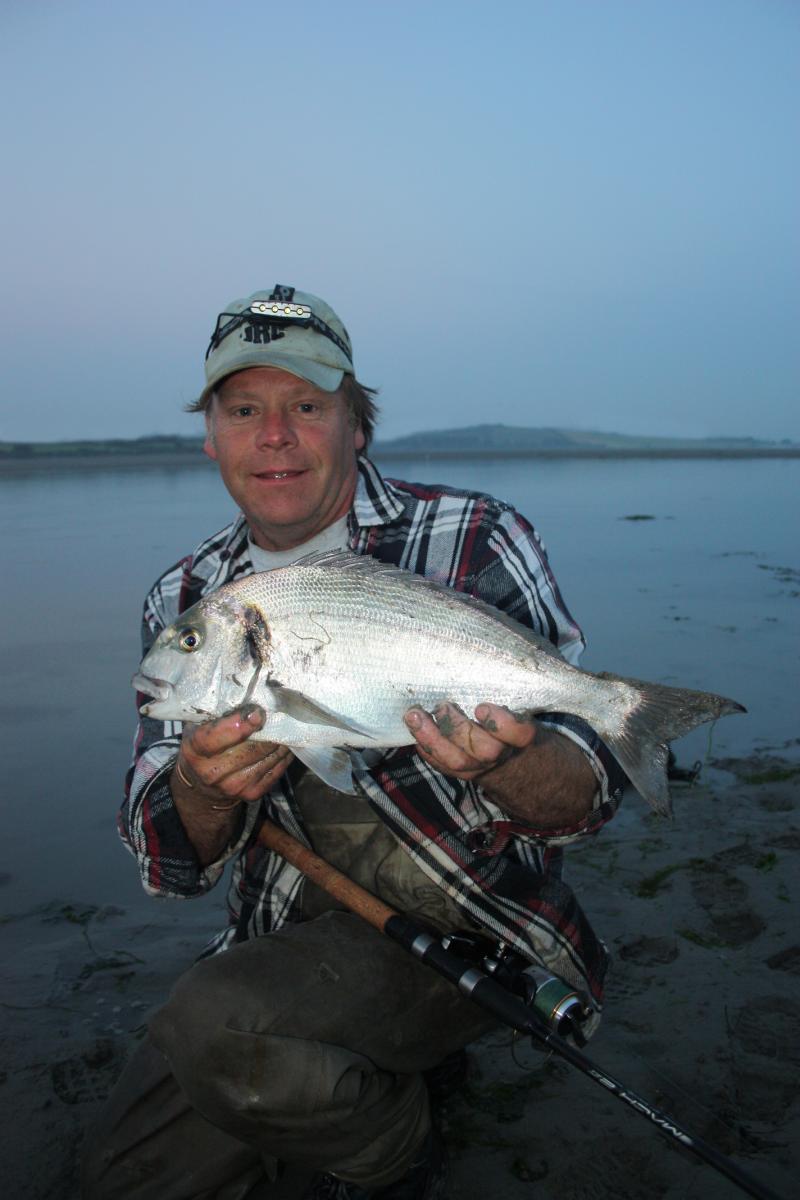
644	717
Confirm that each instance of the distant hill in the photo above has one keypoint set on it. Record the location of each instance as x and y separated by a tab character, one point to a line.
472	441
152	444
523	440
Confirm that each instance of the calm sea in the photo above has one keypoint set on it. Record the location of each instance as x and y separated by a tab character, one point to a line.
705	593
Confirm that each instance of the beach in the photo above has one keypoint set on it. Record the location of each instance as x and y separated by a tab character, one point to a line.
702	1012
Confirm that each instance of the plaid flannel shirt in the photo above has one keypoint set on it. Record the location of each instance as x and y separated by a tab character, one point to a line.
503	873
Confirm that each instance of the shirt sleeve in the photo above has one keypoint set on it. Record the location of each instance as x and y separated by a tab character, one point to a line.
148	821
514	574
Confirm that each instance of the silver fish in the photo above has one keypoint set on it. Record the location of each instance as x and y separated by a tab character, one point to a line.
337	647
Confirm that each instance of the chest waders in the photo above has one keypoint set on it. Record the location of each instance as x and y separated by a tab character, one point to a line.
540	1006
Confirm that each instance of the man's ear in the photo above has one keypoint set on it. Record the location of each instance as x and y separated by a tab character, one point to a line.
359	441
208	445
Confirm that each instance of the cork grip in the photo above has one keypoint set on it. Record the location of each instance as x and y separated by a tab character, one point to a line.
359	901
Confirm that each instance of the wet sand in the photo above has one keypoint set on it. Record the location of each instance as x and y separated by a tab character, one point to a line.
702	1014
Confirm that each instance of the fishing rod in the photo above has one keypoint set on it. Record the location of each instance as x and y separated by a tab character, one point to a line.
547	1010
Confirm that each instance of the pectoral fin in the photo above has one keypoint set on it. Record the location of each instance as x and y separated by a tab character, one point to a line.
332	766
308	712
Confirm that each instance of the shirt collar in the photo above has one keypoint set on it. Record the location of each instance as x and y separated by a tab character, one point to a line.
375	501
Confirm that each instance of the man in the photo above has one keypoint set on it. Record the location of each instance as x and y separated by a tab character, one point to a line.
306	1041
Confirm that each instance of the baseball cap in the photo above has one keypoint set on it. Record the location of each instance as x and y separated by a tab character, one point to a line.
283	328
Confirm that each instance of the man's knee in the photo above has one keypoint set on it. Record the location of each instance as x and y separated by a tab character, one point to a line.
234	1062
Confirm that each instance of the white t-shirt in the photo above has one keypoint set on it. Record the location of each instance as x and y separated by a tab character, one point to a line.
334	537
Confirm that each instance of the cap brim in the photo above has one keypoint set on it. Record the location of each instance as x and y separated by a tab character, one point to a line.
327	379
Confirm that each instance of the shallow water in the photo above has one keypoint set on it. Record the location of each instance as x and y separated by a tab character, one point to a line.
706	594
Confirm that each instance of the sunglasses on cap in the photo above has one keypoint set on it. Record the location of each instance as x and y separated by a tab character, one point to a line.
278	313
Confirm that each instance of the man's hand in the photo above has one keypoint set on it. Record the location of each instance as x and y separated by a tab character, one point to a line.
531	771
455	745
219	764
218	768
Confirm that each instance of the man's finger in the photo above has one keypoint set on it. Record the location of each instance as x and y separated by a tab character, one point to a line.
214	737
480	746
439	749
250	782
230	776
455	745
513	729
241	759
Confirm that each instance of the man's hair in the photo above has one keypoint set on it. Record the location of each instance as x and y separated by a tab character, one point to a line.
361	406
357	396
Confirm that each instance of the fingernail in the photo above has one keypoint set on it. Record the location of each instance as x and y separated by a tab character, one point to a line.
481	712
254	715
413	719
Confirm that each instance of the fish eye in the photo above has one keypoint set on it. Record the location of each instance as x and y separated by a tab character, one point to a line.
189	639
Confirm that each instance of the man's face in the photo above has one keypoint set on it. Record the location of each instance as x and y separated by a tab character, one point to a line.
286	452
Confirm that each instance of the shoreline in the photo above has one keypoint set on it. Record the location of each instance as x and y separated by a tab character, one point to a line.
702	1012
195	458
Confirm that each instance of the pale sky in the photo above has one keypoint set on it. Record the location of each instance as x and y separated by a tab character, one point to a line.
537	212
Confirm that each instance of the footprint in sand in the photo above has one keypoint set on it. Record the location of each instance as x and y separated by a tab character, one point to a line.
723	897
650	951
786	960
87	1077
765	1038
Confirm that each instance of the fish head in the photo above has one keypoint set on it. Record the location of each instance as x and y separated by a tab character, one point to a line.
206	663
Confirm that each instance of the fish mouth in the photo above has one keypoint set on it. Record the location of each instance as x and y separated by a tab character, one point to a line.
159	689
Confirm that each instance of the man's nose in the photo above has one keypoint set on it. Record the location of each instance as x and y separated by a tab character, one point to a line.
275	430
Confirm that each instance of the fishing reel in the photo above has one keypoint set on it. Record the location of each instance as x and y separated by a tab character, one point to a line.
560	1006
